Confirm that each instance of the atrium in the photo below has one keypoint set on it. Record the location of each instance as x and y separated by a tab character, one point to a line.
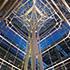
34	34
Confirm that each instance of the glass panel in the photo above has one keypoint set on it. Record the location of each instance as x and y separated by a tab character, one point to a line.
20	55
65	48
2	53
18	63
5	67
13	50
4	45
46	59
62	53
60	67
14	38
67	64
68	41
10	58
55	57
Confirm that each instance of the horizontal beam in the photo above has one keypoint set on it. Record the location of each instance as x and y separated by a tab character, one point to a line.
4	3
58	63
56	44
12	44
9	63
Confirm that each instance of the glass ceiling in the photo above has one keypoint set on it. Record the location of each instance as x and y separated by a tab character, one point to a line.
36	10
41	12
51	28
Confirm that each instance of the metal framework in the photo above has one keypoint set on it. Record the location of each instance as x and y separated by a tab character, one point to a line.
33	56
34	51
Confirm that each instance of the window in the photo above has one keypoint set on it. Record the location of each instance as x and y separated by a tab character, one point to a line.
68	42
59	67
67	64
10	58
55	57
18	63
5	67
13	50
65	48
2	53
20	55
46	59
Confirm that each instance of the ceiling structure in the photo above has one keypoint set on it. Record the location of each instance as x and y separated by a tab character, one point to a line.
52	20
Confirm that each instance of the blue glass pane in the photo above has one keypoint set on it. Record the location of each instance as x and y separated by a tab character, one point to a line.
61	50
56	36
14	37
4	45
13	50
2	24
20	55
42	7
23	8
24	1
44	1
